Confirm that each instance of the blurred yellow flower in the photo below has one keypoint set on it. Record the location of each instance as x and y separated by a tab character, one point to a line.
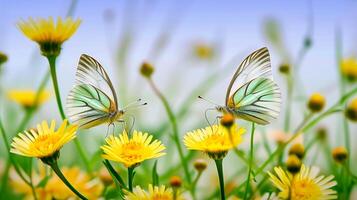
304	185
214	140
351	110
154	193
48	34
55	188
349	69
28	98
132	151
316	102
203	51
44	141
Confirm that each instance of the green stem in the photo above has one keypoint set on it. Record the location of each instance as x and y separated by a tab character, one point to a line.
175	135
289	103
194	184
251	156
219	166
56	169
130	178
31	181
52	63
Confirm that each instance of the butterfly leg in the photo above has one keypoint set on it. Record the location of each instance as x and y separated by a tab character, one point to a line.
206	117
132	124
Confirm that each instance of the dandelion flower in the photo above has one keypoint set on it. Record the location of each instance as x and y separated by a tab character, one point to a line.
28	98
55	188
132	151
48	34
215	140
154	193
44	141
304	185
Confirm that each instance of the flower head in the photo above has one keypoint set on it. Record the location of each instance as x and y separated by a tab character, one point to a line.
3	58
351	110
214	140
48	34
132	151
153	193
44	141
147	69
55	188
316	102
28	98
340	154
304	185
203	51
349	69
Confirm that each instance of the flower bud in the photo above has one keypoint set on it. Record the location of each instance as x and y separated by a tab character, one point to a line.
227	120
321	133
339	154
3	58
146	69
200	165
175	181
293	164
284	68
351	111
316	102
298	150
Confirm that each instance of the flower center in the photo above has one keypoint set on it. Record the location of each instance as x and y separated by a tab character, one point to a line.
304	190
44	143
161	197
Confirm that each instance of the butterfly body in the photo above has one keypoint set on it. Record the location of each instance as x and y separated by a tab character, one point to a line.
92	101
257	98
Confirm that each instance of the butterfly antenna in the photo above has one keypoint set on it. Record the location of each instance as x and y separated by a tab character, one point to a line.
132	107
211	102
132	103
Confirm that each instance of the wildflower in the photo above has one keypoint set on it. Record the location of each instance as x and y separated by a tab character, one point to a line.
321	133
200	165
153	193
55	188
132	151
340	154
146	70
175	181
215	140
293	164
349	69
284	68
298	150
3	58
48	34
316	102
351	111
28	98
43	142
203	51
304	185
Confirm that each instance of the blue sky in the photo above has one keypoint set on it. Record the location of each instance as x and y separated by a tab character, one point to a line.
236	24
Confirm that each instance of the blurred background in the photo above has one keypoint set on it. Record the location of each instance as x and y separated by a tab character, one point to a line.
195	47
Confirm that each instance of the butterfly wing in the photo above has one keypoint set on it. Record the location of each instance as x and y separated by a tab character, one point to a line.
256	101
92	101
256	65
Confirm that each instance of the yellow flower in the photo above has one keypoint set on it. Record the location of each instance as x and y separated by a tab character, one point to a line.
304	185
349	69
44	141
27	98
351	110
316	102
154	193
132	151
48	34
214	140
55	188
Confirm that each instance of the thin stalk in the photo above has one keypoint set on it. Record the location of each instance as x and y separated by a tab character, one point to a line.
56	169
31	181
175	135
52	63
130	178
251	156
219	166
289	103
194	184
